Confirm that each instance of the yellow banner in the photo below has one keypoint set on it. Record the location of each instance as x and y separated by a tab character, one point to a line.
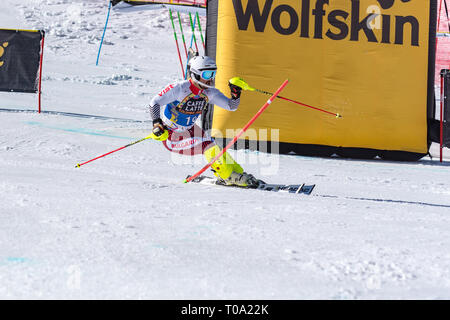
364	59
3	47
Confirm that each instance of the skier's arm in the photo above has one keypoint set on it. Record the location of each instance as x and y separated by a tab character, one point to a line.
222	101
164	97
159	131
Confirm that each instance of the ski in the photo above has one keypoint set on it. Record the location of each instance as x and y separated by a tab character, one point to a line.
294	188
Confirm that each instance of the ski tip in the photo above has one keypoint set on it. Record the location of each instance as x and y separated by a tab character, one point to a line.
77	166
338	116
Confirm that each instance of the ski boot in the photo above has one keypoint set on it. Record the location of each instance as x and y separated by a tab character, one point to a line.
228	171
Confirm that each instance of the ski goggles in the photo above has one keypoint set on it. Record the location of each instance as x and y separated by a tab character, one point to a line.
208	74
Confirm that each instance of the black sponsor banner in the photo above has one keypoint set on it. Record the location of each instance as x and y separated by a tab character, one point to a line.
446	115
19	60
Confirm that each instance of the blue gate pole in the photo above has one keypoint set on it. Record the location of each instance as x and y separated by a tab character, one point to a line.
104	31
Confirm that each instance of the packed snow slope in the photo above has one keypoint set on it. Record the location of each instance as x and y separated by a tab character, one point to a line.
126	227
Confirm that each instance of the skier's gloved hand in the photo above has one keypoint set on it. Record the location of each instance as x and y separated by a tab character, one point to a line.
159	131
235	90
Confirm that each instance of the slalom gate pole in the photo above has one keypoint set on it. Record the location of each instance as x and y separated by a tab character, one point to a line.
192	40
182	34
103	155
193	31
104	32
192	37
176	41
240	133
200	28
446	11
337	115
186	73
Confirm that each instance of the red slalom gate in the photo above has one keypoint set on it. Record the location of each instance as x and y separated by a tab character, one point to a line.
264	107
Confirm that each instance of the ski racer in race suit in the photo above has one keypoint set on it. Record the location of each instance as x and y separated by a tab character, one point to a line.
176	108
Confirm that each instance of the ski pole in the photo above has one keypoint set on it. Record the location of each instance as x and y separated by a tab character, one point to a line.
176	41
245	86
182	34
188	179
193	31
128	145
200	28
337	115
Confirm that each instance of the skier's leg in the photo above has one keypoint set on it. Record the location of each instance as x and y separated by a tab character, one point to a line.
195	141
228	170
225	165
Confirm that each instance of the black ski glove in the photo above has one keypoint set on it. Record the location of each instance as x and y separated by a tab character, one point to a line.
159	131
235	91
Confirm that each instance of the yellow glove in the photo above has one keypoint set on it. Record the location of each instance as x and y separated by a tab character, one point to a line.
159	131
239	82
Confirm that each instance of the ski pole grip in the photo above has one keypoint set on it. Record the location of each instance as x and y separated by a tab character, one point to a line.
237	81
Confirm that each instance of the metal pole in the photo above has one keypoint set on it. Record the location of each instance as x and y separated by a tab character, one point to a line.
441	129
40	71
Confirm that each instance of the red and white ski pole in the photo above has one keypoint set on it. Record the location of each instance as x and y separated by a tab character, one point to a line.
337	115
103	155
190	178
245	86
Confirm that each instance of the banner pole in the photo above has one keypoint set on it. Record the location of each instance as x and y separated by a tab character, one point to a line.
40	70
441	122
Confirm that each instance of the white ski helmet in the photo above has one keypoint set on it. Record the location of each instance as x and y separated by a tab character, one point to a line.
203	67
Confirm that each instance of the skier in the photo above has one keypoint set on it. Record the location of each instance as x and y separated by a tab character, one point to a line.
175	110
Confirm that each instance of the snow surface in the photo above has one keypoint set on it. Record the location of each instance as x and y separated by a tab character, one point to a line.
126	227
